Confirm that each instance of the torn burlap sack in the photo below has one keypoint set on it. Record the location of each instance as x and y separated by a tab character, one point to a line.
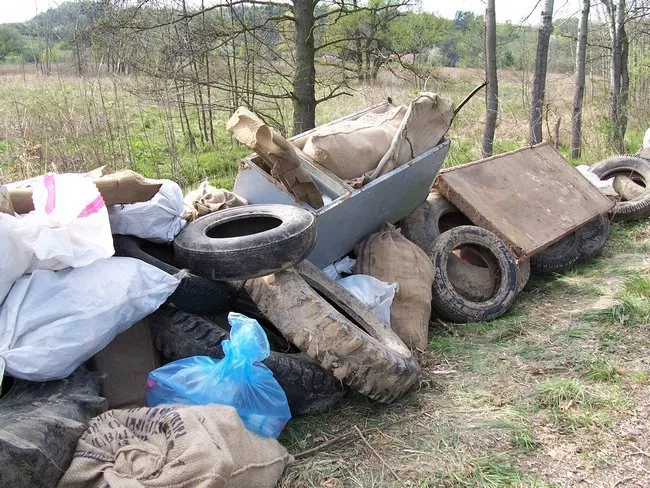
391	257
250	130
174	446
350	148
425	123
207	199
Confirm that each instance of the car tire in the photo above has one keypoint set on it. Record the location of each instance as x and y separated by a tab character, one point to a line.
246	242
560	255
595	235
195	294
447	301
639	171
431	219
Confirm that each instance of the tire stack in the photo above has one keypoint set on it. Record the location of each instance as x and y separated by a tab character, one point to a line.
250	260
477	276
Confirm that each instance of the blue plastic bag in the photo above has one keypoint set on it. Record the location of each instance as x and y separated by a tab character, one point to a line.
239	380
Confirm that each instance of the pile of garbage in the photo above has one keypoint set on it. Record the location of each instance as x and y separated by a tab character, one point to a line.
155	338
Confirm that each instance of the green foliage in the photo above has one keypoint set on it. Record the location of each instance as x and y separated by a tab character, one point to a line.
11	42
416	32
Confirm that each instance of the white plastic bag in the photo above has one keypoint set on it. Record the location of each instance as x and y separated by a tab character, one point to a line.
158	220
373	293
335	271
646	139
594	179
53	321
68	227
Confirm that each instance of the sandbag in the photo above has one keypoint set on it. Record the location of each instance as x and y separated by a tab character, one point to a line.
351	148
207	199
390	257
158	220
181	447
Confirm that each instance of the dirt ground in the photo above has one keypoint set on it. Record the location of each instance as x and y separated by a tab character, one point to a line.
556	393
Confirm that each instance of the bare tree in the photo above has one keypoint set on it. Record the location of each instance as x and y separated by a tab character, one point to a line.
304	81
492	93
619	77
579	92
539	82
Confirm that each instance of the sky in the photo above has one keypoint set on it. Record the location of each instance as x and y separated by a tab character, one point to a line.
512	10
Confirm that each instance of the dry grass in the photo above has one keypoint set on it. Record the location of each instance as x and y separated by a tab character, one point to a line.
545	396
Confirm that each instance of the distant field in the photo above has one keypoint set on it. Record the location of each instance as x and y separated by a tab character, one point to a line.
63	123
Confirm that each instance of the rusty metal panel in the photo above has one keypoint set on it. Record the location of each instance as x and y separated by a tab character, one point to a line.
531	198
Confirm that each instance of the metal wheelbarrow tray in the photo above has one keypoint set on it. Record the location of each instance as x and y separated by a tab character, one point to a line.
352	214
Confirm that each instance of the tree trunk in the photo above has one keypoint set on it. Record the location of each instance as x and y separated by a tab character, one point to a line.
579	92
492	93
304	81
539	82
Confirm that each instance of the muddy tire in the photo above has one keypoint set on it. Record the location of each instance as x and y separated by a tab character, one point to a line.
431	219
40	424
246	242
195	294
309	388
595	235
331	326
560	255
639	171
447	301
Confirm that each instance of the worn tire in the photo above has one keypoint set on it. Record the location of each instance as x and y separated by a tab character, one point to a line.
448	301
246	242
430	219
309	388
639	170
595	235
560	255
194	294
331	326
40	424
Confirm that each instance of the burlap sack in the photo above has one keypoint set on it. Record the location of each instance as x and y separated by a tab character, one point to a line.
207	199
351	148
425	123
390	257
174	446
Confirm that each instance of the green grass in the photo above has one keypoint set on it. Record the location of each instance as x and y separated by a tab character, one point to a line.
601	370
487	472
558	392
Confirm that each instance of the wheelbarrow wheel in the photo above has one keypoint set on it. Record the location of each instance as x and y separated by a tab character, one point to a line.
447	300
331	326
309	388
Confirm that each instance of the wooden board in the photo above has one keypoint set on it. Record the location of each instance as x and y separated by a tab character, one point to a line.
531	198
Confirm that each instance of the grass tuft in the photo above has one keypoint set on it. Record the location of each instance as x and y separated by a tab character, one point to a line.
559	392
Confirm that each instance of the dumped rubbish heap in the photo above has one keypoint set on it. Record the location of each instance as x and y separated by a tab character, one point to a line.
157	339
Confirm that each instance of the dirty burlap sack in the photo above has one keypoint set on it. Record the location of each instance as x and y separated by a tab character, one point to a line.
207	199
390	257
174	446
377	142
278	154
